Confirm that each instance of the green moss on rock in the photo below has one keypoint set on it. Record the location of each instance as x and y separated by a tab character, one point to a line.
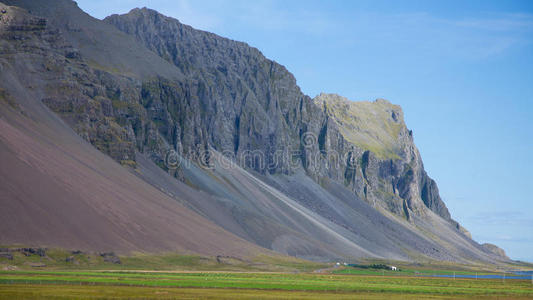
373	126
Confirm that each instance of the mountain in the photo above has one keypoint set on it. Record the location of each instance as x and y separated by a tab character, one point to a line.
224	133
390	154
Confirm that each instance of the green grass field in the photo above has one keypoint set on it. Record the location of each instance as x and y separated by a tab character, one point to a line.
407	272
243	285
62	274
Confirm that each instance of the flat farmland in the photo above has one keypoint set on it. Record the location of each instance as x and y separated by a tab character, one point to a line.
244	285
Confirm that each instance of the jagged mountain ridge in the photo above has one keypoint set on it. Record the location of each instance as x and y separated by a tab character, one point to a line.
262	97
226	96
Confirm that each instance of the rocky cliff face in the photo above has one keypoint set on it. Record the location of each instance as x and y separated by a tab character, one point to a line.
237	100
391	169
495	250
240	102
79	93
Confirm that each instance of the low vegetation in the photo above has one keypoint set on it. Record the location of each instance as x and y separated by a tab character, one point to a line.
242	285
32	273
28	258
373	126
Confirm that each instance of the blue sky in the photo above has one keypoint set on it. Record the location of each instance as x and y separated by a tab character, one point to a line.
461	70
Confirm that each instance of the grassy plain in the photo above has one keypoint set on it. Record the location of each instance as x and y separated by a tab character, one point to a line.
61	274
245	285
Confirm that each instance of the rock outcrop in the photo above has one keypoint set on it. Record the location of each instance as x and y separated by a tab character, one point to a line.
391	169
493	249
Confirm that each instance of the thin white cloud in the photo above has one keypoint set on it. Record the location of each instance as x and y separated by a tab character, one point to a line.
472	39
499	22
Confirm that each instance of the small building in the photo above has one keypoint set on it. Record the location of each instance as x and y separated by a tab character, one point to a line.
393	268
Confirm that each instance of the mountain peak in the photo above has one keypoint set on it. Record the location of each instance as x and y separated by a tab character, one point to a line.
144	11
376	126
334	97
